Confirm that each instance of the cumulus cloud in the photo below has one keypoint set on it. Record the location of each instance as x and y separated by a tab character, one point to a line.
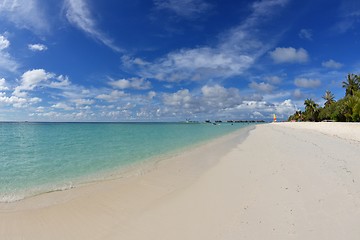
63	106
11	100
3	86
37	47
262	87
134	83
286	107
263	109
7	62
4	42
184	8
298	94
219	97
60	82
36	78
307	83
180	98
78	13
26	14
210	101
82	101
289	55
31	79
306	34
112	96
18	102
331	64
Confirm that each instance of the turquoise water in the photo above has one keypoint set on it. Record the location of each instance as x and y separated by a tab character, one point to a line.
43	157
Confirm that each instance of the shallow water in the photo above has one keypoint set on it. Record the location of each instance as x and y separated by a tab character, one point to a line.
43	157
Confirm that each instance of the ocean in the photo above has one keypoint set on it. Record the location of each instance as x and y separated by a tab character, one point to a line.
43	157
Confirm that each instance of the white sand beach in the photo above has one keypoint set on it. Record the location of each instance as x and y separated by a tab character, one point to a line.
282	181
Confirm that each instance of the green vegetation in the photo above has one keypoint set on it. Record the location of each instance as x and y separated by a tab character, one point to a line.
346	109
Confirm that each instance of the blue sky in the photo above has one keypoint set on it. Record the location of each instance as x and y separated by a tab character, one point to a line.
171	60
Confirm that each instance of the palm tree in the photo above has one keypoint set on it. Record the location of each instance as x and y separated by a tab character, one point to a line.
329	98
352	105
310	105
352	84
311	109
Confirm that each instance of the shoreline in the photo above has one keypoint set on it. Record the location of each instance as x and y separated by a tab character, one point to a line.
277	181
131	172
130	169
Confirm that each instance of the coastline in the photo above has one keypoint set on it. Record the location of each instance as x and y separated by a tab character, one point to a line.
117	151
279	181
176	160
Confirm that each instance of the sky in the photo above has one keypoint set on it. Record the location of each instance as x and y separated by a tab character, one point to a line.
171	60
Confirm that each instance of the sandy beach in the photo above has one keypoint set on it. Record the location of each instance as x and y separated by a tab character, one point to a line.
277	181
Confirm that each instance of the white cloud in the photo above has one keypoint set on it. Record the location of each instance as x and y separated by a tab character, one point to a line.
332	64
289	55
209	102
198	64
298	94
64	106
6	61
35	78
12	100
134	83
27	14
180	98
3	86
285	108
218	97
82	101
184	8
60	82
265	110
4	42
40	109
262	87
262	10
265	7
273	79
152	94
18	102
79	14
236	51
31	79
113	96
307	83
306	34
37	47
214	91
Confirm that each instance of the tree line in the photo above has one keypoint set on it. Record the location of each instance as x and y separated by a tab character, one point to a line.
346	109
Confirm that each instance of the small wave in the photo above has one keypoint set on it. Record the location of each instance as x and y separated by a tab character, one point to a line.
9	198
15	197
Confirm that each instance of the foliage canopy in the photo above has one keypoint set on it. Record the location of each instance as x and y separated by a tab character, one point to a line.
346	109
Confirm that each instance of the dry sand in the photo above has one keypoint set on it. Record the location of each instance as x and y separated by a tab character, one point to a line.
285	181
